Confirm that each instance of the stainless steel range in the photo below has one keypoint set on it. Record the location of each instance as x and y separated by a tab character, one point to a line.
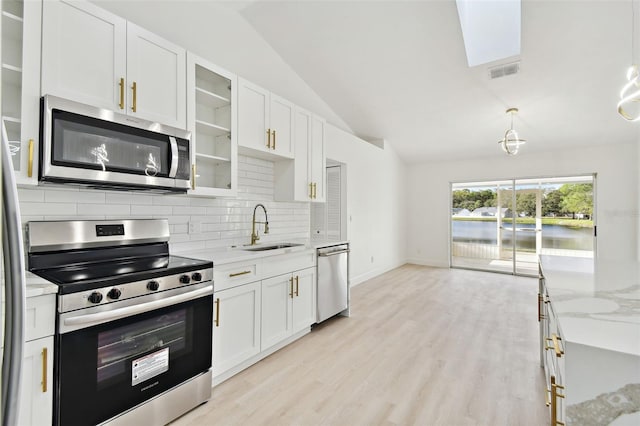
133	327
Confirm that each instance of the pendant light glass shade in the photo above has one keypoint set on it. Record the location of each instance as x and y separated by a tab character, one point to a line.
511	142
629	104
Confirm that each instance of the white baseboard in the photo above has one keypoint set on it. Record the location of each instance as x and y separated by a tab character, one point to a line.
354	281
428	262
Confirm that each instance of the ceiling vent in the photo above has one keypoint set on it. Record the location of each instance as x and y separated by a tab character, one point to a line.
504	70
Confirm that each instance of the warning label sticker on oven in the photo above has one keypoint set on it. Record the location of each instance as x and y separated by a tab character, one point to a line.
149	366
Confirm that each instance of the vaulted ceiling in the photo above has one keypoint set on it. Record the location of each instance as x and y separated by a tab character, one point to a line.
396	70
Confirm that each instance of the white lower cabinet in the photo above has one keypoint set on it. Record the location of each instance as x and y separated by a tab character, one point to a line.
288	305
236	326
256	318
36	395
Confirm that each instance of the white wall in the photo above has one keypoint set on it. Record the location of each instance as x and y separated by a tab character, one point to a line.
617	201
376	197
226	39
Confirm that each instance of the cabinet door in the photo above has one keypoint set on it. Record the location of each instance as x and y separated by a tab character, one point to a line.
211	118
304	300
83	53
317	162
253	113
157	68
281	124
277	293
236	328
36	396
302	132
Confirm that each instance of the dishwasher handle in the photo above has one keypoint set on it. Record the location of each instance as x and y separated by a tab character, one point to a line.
333	253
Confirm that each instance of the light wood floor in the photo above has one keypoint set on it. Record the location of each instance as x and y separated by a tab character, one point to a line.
423	346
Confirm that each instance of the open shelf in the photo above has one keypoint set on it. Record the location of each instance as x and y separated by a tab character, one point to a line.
210	99
212	157
211	129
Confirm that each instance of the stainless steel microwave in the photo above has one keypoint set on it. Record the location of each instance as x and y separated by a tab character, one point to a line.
99	148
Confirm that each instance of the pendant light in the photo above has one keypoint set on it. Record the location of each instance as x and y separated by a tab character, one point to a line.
629	104
511	141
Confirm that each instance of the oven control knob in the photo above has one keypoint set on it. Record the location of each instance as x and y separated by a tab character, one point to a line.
95	297
153	285
185	279
114	293
197	276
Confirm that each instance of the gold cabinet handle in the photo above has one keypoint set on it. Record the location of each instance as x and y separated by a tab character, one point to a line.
554	402
539	303
193	176
297	288
274	138
217	321
311	190
121	104
291	287
237	274
556	344
134	106
315	191
269	138
44	370
30	163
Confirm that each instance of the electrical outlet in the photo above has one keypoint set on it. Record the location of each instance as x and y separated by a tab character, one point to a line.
194	227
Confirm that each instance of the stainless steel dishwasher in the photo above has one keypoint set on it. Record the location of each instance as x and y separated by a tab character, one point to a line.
333	281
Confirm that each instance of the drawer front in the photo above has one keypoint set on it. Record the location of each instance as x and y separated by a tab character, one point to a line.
286	263
40	317
235	274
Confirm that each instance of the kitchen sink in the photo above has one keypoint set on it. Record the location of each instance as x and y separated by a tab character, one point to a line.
272	247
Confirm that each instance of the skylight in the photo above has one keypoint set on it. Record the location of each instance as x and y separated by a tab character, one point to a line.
490	28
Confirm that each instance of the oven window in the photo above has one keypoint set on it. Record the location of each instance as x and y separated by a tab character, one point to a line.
143	347
104	370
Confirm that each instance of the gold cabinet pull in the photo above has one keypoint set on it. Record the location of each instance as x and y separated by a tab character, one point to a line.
315	191
274	138
291	287
30	163
134	87
554	402
311	190
297	288
193	176
121	104
44	370
237	274
269	138
539	303
556	344
217	321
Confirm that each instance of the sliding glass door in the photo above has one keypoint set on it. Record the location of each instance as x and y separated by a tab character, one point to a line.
503	226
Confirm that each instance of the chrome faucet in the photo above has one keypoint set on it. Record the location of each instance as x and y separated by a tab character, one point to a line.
254	233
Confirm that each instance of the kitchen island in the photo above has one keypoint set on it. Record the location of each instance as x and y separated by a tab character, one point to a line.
590	340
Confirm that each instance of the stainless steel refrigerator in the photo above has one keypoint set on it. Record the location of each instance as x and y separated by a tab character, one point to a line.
12	273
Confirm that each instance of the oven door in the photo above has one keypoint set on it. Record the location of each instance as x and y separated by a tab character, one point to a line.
106	369
88	145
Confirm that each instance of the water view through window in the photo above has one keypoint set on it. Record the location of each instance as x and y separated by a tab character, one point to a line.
504	225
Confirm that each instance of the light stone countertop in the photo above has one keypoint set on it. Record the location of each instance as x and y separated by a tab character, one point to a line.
37	286
597	302
224	255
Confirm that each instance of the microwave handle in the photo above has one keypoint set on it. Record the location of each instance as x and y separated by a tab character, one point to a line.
174	157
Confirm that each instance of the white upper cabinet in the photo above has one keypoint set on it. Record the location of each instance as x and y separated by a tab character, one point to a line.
211	118
265	122
21	24
95	57
302	179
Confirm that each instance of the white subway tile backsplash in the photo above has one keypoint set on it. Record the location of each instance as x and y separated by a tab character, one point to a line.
222	222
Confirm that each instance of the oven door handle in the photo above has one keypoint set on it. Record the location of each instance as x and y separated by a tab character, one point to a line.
101	317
